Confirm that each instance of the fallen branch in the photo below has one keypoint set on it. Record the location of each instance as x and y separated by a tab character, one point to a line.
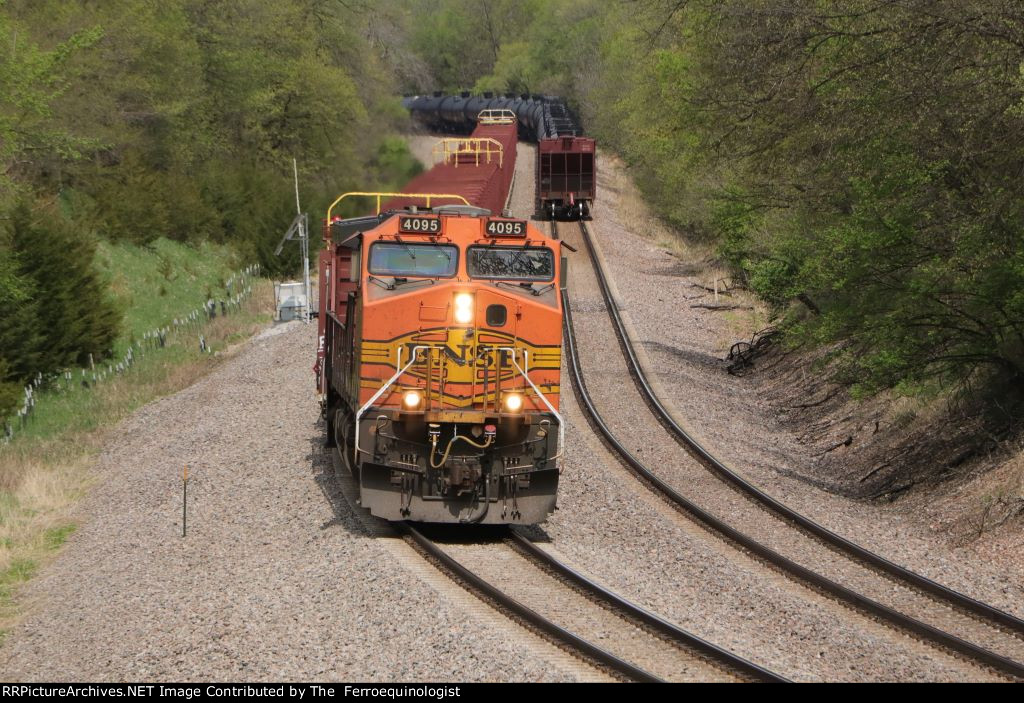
873	471
709	289
712	306
828	397
845	443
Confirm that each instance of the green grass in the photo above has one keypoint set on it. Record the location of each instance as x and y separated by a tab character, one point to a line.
55	537
18	571
188	276
75	408
156	283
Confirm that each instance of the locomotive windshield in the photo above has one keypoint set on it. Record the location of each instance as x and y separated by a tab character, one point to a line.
405	259
512	263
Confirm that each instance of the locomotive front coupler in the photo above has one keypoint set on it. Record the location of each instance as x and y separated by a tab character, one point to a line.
398	452
421	442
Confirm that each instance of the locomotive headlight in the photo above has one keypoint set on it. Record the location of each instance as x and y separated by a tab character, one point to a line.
513	402
463	308
412	400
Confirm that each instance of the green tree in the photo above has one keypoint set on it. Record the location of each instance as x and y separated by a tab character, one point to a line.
862	159
10	393
74	314
20	338
179	119
31	82
877	153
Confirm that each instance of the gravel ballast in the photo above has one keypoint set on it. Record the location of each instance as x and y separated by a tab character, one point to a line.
613	529
276	578
280	579
686	347
625	410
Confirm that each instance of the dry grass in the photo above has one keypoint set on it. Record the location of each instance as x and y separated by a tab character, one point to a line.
902	411
44	473
627	202
992	499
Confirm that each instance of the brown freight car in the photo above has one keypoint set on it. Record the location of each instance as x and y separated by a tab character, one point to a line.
566	169
478	168
566	177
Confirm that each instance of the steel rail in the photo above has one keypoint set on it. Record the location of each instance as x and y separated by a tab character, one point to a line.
838	591
531	616
652	620
852	549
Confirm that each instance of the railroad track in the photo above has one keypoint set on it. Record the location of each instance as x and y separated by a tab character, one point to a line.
931	631
574	611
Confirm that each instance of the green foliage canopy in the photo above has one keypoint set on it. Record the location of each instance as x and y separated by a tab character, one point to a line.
863	158
132	121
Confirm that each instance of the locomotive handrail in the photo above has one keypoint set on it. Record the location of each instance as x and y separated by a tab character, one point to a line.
496	116
544	399
450	147
415	351
380	391
425	196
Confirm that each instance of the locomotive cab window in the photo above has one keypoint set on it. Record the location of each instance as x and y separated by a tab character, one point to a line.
409	259
511	263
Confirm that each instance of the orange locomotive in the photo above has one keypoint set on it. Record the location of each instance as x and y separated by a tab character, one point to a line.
439	364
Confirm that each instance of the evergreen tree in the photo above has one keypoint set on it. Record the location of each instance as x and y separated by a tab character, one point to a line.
10	393
20	340
76	316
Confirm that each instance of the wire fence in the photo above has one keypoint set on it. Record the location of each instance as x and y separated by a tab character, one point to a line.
238	288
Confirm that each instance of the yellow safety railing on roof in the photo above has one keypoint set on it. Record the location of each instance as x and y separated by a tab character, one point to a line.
419	196
502	116
451	148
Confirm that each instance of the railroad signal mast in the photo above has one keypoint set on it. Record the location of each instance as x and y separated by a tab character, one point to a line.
299	229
